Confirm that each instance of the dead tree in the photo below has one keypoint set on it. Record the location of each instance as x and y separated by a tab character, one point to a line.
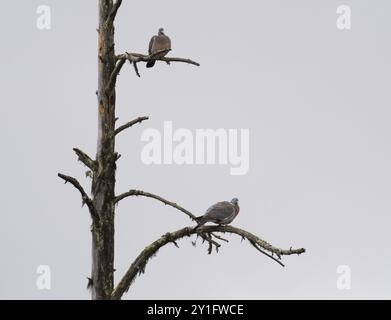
102	202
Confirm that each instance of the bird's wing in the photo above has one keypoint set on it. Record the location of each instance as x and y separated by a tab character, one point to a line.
220	210
151	44
161	43
168	43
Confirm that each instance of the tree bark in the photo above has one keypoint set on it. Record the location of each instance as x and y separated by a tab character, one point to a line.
103	182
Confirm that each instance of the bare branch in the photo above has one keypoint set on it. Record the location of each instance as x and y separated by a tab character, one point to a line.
208	238
220	238
134	58
266	254
172	59
153	196
85	198
114	10
135	68
138	57
139	264
83	157
129	124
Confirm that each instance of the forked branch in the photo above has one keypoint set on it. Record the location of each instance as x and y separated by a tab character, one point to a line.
139	264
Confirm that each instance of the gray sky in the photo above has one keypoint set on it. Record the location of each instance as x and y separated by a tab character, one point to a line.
316	101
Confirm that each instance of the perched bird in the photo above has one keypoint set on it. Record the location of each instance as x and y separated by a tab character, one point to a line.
160	43
220	213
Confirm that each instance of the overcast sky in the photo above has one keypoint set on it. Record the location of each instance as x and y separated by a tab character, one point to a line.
316	101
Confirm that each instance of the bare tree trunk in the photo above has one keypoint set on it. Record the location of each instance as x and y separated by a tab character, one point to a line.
104	176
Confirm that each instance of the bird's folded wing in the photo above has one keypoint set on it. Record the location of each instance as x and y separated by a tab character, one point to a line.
160	43
151	44
221	210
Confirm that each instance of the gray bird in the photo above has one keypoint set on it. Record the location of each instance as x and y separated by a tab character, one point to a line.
220	213
160	43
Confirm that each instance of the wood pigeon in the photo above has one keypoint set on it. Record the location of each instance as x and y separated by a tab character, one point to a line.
220	213
158	43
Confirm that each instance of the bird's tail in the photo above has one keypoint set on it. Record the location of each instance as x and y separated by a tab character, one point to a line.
150	63
201	220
